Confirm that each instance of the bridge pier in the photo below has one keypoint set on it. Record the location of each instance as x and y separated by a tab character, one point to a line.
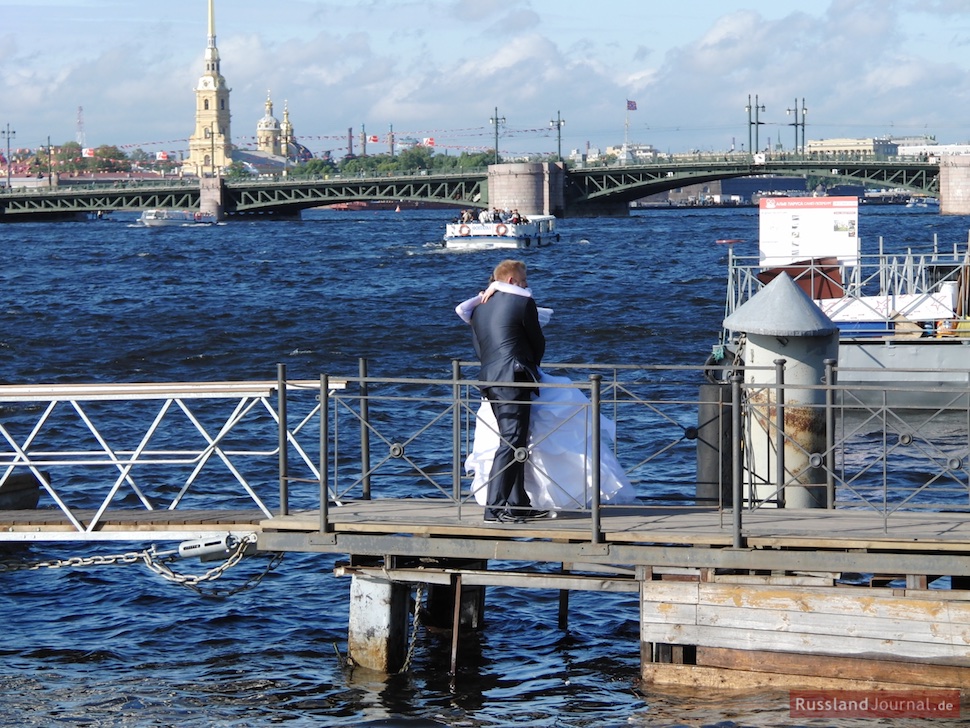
532	188
955	185
210	197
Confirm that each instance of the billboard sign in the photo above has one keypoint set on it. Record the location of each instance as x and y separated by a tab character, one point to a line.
794	229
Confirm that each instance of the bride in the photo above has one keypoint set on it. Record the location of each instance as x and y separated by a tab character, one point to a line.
558	473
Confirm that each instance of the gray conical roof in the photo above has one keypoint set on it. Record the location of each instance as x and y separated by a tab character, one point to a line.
781	308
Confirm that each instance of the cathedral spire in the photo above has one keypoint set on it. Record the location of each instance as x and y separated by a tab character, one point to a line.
212	24
211	51
210	146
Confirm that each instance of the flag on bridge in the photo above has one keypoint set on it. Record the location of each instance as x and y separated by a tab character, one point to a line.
428	141
373	138
631	105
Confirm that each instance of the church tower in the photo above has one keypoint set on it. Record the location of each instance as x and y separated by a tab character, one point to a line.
210	146
268	131
286	131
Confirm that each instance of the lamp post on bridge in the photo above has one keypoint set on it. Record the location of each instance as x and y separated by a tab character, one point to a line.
7	134
495	120
797	124
753	149
558	124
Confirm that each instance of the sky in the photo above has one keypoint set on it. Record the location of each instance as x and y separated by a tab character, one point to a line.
123	72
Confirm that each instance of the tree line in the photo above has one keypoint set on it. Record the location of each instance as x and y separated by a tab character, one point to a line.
71	158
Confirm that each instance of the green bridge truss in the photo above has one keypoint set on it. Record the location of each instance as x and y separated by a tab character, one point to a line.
589	187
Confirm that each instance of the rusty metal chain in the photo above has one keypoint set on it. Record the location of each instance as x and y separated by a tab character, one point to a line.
415	623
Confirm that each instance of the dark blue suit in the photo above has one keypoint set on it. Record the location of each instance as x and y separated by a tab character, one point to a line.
510	344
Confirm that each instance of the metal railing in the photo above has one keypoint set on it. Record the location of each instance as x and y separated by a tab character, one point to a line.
408	438
227	445
907	294
154	446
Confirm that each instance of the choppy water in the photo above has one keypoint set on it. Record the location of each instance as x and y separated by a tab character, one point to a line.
108	646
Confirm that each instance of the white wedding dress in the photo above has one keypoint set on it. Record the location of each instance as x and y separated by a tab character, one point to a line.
559	472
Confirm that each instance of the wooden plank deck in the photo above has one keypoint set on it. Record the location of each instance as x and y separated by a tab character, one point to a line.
785	528
50	524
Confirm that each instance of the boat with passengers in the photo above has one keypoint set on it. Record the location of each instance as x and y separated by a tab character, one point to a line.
510	232
165	217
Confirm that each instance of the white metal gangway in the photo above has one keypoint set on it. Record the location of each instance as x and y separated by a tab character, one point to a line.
160	443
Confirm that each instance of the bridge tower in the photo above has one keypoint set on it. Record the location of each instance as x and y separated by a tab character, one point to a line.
210	145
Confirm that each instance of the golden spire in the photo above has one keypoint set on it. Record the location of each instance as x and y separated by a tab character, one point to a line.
212	23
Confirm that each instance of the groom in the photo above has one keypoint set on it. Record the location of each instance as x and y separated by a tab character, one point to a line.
509	342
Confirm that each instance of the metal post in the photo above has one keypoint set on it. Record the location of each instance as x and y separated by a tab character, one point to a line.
324	453
737	472
496	121
50	165
804	111
780	432
283	440
830	377
364	431
757	123
455	623
558	123
794	123
456	433
7	134
595	380
748	109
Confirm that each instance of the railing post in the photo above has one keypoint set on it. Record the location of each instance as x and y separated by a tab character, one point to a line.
830	377
284	465
324	453
456	433
596	381
780	432
737	471
364	431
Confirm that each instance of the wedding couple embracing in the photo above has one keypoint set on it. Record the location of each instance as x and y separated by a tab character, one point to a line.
550	423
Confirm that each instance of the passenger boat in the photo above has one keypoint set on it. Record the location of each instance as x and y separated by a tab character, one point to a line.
930	203
903	318
537	230
166	217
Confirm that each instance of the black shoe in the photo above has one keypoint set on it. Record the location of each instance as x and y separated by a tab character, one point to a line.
503	517
528	514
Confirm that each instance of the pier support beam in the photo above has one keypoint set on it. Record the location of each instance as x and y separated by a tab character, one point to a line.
715	461
378	625
471	601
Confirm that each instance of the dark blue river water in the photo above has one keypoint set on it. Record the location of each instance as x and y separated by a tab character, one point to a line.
107	301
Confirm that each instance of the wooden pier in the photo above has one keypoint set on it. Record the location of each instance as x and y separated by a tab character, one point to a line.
782	610
778	611
860	595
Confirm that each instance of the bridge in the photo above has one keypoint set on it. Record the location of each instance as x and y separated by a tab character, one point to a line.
585	192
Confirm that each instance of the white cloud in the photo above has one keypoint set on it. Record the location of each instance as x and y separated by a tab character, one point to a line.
864	68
